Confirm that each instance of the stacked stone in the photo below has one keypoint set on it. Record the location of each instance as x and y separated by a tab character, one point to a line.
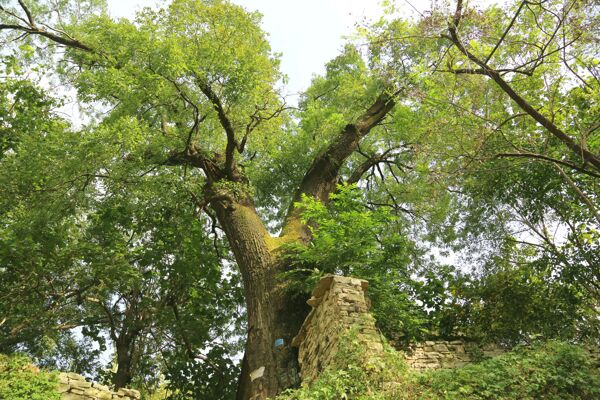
74	387
446	354
451	354
437	354
338	304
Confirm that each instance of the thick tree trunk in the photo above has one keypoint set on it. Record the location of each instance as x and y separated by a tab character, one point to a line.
274	315
124	374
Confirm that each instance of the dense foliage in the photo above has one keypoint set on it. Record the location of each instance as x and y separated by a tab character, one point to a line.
351	239
20	379
553	370
159	198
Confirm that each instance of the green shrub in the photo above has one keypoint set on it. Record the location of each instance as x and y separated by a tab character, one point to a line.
21	380
551	371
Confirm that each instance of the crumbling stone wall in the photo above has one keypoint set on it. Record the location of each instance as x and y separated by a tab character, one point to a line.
438	354
338	303
447	354
74	387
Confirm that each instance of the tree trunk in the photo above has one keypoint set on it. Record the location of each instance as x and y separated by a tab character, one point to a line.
273	313
124	374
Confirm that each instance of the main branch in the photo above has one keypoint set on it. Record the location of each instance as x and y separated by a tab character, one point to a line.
30	27
321	178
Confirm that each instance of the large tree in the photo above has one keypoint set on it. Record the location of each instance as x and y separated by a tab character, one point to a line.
199	79
196	88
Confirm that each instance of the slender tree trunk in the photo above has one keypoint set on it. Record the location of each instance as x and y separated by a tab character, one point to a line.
273	313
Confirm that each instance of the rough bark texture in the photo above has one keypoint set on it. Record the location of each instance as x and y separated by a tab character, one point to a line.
323	175
273	313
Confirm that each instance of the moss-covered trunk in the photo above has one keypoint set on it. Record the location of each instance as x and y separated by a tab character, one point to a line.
274	315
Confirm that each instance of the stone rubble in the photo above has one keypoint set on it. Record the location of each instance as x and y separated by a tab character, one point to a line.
74	387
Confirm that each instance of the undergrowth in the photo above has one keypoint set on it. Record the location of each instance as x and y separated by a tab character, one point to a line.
21	380
551	370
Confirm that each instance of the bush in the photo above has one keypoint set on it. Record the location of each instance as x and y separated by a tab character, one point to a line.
353	374
21	380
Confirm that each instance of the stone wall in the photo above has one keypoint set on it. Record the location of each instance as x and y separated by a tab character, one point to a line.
447	354
74	387
338	303
438	354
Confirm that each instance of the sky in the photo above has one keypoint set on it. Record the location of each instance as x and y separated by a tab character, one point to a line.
308	33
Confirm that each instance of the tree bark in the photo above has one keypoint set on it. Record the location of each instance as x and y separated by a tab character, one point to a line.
124	374
272	311
323	175
274	314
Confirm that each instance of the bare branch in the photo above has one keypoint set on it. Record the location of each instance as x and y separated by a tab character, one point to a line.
369	163
256	119
28	13
12	14
480	71
508	28
579	192
52	36
225	123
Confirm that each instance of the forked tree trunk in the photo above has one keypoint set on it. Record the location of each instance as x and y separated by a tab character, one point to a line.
274	315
